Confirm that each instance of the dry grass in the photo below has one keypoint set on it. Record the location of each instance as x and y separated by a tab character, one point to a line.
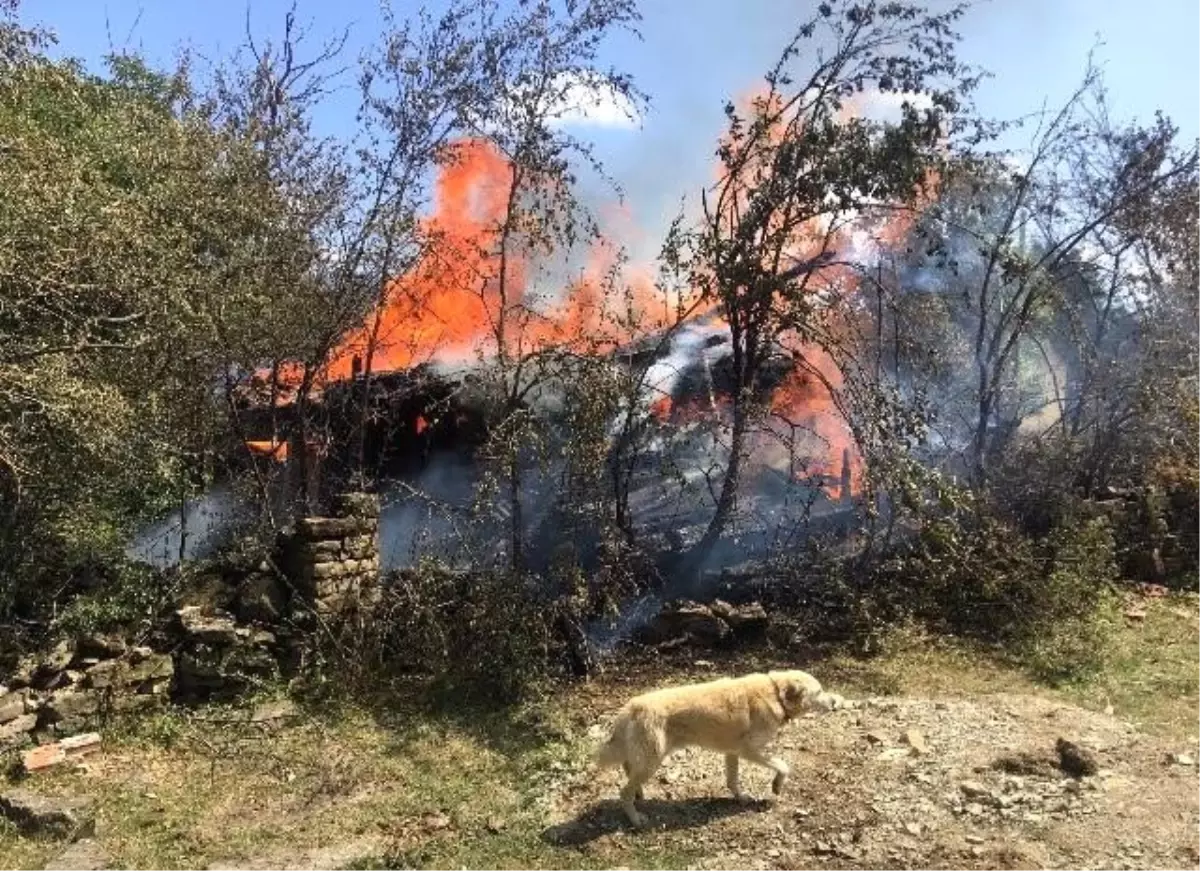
410	786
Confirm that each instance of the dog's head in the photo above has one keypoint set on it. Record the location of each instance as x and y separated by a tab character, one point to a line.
798	691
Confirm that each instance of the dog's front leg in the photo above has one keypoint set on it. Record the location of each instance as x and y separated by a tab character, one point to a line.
774	763
731	775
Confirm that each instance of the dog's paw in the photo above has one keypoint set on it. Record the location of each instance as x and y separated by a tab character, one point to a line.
639	820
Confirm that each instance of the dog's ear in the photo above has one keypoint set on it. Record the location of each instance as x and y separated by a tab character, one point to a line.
795	693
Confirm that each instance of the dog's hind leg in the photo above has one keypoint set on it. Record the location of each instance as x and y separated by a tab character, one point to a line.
774	763
641	792
731	775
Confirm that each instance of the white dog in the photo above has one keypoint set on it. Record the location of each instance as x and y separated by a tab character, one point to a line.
735	716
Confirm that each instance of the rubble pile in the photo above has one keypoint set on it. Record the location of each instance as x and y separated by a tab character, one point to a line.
78	684
684	622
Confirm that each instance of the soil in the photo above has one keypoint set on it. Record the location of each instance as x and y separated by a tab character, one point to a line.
860	796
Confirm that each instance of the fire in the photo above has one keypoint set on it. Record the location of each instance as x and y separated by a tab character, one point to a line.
273	448
454	305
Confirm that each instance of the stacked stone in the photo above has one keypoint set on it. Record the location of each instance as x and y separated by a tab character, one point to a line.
217	658
336	559
76	685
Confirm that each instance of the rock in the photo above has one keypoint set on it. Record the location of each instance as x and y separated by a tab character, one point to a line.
218	628
22	675
57	817
1075	760
436	822
974	789
356	505
913	828
59	657
684	621
751	619
1186	759
259	599
270	713
495	825
100	645
106	674
70	705
16	731
58	752
12	705
914	739
1025	763
876	737
83	855
326	528
974	839
152	668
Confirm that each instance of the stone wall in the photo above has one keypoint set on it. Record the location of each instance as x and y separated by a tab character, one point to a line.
77	685
334	561
230	635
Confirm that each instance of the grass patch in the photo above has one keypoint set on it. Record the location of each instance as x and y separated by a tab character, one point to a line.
1151	675
439	786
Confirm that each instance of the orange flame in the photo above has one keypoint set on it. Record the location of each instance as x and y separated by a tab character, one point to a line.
271	448
453	304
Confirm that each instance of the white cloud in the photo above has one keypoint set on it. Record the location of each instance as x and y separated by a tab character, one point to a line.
882	105
588	104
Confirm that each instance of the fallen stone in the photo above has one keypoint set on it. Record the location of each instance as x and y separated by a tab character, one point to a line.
56	660
913	828
914	739
58	752
218	628
101	646
1075	760
271	713
876	737
70	704
974	839
685	621
12	705
57	817
16	731
974	789
22	674
259	599
1186	759
152	668
326	528
83	855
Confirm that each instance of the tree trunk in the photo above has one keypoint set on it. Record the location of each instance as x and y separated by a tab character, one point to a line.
516	518
727	499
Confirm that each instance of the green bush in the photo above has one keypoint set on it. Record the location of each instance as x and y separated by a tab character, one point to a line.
1045	601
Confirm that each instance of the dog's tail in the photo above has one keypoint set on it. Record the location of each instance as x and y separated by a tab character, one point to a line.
612	752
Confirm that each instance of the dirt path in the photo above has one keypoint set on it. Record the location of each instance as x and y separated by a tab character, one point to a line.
861	797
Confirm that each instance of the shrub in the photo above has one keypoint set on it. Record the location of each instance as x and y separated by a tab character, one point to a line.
1044	600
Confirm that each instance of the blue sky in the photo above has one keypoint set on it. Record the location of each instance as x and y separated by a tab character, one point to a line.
697	53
